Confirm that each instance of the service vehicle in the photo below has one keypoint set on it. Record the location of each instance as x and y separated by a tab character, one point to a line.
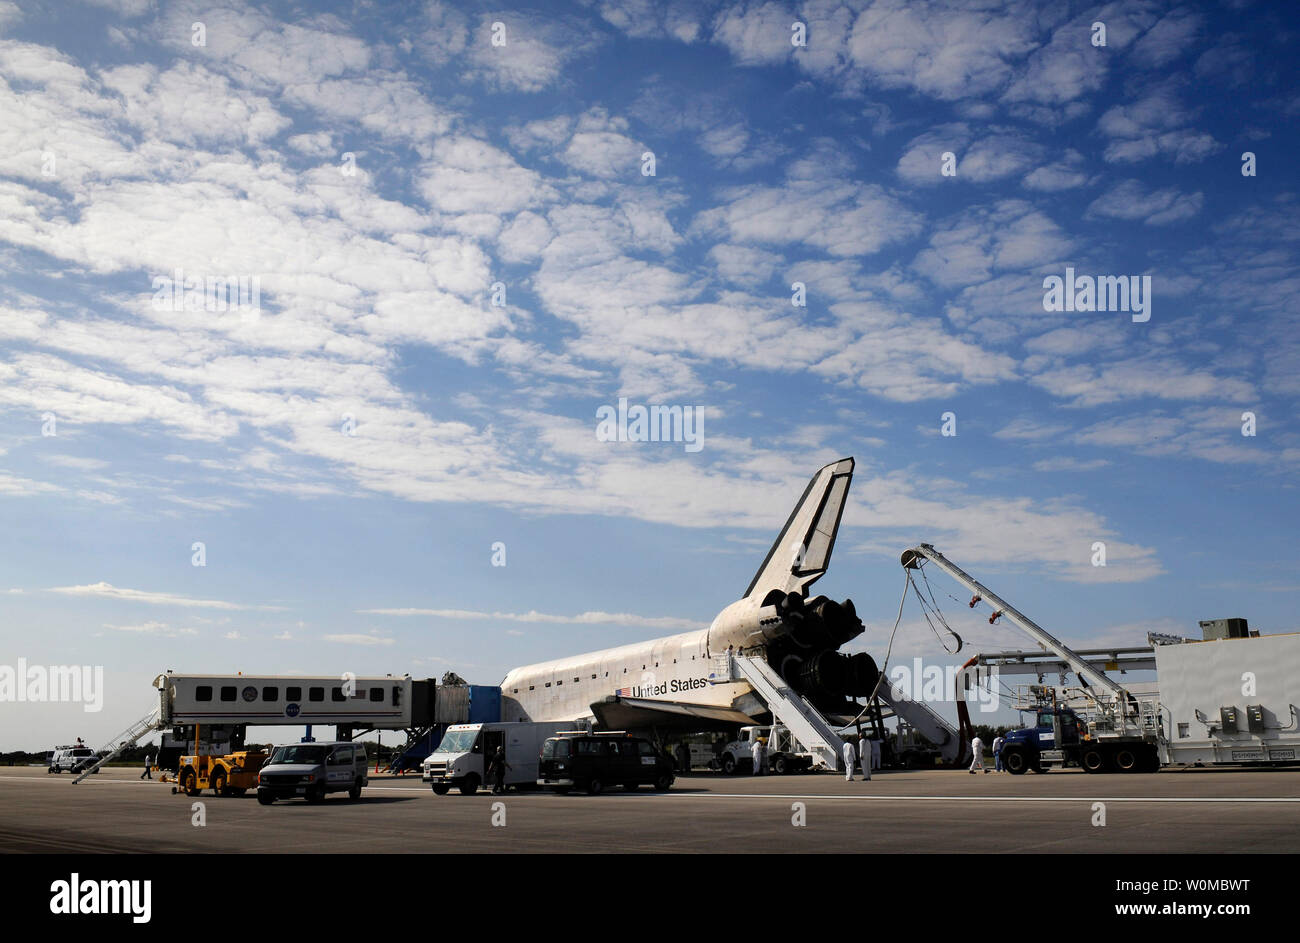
312	771
72	758
593	761
462	758
230	774
1202	714
784	753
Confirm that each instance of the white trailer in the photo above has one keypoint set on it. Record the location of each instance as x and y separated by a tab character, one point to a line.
464	755
1230	701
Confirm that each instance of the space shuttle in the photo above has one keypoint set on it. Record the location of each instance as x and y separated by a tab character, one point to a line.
681	682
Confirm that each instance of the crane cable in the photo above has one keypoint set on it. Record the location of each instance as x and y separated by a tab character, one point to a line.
881	673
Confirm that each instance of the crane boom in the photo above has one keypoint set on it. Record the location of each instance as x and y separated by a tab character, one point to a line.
911	559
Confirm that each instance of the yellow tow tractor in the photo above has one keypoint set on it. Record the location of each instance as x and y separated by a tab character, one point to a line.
227	775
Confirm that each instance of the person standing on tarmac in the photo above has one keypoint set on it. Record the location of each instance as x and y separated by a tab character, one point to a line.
499	767
850	760
875	753
977	748
997	753
756	754
864	748
148	766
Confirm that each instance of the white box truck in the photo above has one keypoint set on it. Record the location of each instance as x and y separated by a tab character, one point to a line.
463	756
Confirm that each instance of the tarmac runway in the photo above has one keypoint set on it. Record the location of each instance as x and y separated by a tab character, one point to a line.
1185	811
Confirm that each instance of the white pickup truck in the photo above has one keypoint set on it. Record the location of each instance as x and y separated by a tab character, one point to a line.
785	754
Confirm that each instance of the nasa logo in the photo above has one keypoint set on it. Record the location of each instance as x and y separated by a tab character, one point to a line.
291	710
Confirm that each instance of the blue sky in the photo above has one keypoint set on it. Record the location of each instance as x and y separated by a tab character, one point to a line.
128	152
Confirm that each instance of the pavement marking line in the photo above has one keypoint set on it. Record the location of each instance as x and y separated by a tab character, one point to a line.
726	795
723	795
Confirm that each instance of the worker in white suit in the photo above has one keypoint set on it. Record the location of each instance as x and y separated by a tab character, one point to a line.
875	753
756	754
864	748
850	760
977	748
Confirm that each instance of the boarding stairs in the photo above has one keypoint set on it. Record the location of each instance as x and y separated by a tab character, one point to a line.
127	738
930	724
789	707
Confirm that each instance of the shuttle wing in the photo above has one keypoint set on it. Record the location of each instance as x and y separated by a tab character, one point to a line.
638	713
802	552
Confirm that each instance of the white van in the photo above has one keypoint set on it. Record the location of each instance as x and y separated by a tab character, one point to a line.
74	759
312	771
462	757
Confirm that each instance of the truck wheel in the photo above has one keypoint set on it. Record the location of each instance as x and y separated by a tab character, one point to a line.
664	782
1093	760
595	787
729	765
469	785
316	793
441	789
51	770
779	766
355	792
264	797
1150	761
1126	760
189	783
1016	760
218	782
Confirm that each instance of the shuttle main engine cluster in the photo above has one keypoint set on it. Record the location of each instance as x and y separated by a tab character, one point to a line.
801	638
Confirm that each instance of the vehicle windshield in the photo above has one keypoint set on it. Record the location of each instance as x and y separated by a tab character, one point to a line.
458	741
299	753
552	749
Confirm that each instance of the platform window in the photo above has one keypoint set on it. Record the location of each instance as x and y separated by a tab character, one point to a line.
548	684
203	692
271	694
531	686
336	694
558	683
593	678
315	694
228	692
377	695
293	694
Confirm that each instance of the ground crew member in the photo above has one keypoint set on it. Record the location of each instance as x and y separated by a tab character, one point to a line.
875	753
977	747
850	761
997	752
148	772
756	754
499	767
683	758
864	747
